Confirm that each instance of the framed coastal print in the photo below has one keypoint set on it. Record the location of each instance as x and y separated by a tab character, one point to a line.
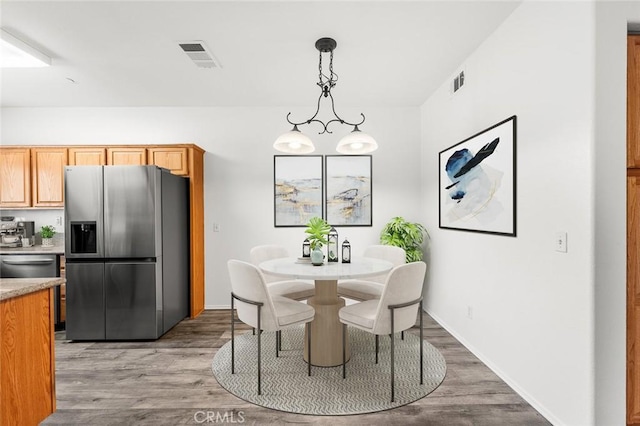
297	189
348	190
477	182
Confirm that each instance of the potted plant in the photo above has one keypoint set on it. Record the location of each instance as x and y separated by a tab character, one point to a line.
317	229
47	232
407	235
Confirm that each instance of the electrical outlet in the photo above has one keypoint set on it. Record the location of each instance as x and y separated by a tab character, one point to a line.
561	242
59	220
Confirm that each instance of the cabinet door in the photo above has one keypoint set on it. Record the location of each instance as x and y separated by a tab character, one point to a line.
174	159
15	182
126	156
87	156
633	101
47	176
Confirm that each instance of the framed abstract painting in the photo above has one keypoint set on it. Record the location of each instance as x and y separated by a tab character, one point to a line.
297	189
348	190
477	181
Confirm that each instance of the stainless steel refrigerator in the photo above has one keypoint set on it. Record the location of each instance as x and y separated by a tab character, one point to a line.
126	250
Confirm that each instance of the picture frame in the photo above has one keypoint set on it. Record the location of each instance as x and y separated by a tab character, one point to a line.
297	189
477	182
348	190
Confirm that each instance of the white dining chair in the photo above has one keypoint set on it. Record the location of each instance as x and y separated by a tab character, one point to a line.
395	311
257	308
292	289
371	287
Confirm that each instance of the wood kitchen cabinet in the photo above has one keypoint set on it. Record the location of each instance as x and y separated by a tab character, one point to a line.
127	156
27	359
175	159
47	176
87	156
15	177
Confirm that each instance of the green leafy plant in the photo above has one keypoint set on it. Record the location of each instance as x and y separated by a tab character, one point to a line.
407	235
47	231
317	229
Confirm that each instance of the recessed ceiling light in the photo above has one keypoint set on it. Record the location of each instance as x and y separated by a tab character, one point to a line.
15	53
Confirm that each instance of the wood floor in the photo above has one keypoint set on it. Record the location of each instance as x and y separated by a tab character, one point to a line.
169	382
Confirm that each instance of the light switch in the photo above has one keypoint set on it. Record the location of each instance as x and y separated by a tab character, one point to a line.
216	227
561	242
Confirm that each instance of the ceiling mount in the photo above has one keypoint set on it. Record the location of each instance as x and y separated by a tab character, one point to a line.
326	44
295	142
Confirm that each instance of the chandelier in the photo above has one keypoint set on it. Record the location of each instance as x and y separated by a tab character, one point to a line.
296	142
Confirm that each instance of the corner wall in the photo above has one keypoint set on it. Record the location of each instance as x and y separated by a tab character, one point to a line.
612	19
532	307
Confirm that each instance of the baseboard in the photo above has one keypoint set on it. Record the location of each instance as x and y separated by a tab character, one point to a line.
508	380
217	307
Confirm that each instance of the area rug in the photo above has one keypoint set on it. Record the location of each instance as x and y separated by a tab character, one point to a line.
367	388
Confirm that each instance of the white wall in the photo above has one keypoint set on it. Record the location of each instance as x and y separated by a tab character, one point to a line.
532	307
239	166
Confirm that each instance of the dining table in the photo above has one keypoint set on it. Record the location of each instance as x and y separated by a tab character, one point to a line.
326	329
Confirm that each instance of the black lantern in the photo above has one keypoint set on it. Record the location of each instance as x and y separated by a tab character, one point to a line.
346	252
306	248
332	245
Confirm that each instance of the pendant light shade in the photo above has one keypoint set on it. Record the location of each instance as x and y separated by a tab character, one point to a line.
294	142
356	142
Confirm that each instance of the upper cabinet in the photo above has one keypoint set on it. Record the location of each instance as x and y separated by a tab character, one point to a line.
15	177
47	175
127	156
175	159
87	156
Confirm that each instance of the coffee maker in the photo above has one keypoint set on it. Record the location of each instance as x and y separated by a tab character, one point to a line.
15	233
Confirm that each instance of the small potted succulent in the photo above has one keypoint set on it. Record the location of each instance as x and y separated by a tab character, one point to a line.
47	232
317	229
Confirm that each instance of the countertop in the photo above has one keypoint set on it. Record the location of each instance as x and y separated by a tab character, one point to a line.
37	249
14	287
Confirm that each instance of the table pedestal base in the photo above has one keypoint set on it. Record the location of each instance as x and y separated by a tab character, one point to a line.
326	328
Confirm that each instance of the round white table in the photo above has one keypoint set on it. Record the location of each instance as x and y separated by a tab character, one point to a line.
326	350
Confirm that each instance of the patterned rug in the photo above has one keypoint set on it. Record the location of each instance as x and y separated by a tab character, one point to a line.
367	388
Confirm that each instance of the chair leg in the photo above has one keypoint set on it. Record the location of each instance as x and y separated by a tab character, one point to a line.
280	341
392	357
377	346
259	354
392	369
421	354
309	349
277	342
402	334
344	351
232	340
253	331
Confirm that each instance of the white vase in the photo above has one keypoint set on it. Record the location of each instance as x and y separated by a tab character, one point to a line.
317	257
47	242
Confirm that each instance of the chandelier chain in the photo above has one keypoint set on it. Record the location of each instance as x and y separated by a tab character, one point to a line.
326	83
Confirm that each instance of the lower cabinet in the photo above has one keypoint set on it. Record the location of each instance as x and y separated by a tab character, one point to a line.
27	359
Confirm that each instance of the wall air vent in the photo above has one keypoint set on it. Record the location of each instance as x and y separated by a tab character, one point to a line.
199	53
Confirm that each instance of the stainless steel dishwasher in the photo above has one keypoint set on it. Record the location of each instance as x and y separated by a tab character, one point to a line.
34	266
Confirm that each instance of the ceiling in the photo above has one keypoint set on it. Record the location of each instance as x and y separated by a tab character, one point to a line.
125	53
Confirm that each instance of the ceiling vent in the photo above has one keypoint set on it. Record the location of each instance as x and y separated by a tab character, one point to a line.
199	53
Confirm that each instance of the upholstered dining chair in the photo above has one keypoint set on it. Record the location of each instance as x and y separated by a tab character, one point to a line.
395	311
292	289
259	309
371	287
